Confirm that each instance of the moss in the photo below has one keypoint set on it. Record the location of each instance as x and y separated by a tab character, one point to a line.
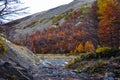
2	48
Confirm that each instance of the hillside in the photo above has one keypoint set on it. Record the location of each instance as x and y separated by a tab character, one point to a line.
76	41
65	28
40	21
58	23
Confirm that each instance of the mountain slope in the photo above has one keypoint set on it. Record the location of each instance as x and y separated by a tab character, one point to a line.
40	21
59	30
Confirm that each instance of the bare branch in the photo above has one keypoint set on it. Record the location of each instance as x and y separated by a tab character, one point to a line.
10	7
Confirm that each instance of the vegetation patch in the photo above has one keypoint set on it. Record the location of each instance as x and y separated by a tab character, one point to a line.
14	77
2	48
32	24
85	9
101	52
105	59
64	15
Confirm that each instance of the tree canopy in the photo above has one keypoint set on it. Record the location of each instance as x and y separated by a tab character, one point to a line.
109	24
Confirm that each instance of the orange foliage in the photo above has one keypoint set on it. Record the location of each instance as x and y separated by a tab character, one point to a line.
89	47
64	38
79	48
109	25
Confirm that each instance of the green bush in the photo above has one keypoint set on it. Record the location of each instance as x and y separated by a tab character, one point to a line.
102	49
106	52
101	52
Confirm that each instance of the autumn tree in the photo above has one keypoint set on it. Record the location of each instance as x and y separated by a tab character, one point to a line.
68	37
79	48
109	24
89	47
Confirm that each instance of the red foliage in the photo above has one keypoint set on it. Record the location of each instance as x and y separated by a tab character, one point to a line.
64	38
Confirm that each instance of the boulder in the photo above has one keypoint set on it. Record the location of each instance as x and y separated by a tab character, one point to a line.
13	72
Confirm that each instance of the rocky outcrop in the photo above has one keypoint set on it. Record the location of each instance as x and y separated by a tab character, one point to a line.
19	54
17	62
13	71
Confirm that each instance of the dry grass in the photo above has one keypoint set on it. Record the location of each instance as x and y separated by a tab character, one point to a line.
56	56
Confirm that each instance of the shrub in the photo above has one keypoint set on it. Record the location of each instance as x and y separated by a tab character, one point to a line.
106	52
96	65
102	49
101	52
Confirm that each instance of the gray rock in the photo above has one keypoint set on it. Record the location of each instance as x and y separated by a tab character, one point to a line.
109	74
16	62
84	69
109	78
9	71
84	76
19	55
